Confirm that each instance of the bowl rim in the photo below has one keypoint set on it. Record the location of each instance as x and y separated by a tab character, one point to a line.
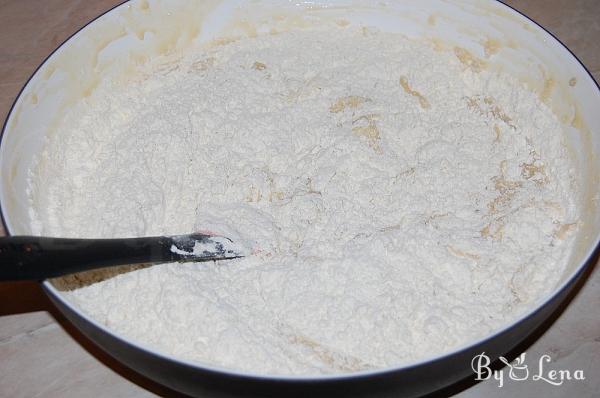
55	294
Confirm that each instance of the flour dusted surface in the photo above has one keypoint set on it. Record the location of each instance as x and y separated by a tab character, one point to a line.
398	201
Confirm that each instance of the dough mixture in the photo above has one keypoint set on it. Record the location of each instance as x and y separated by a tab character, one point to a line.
397	201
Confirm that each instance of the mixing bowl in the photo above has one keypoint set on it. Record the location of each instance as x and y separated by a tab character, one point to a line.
113	44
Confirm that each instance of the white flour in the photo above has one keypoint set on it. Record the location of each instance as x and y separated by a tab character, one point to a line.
399	201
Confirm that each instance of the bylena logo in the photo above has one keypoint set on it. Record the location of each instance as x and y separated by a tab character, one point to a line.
518	370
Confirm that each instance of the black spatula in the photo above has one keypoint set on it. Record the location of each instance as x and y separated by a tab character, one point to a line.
38	258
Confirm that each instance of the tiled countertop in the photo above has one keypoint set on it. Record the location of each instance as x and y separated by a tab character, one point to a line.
41	355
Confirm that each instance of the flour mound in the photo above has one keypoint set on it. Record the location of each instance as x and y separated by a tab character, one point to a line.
398	202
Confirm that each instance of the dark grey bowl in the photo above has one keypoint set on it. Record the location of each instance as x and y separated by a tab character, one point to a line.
416	379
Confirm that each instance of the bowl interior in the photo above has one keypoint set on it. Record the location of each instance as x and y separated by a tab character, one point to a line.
116	42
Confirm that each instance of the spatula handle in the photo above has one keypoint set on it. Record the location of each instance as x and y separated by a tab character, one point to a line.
38	258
